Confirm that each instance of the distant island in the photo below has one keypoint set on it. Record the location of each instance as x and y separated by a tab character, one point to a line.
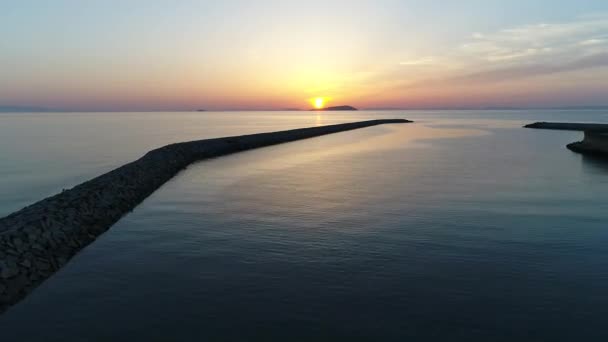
201	110
336	108
27	109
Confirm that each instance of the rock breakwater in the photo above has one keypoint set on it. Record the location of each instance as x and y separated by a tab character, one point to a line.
568	126
595	142
39	239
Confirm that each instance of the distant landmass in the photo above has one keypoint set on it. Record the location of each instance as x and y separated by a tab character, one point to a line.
336	108
26	109
38	109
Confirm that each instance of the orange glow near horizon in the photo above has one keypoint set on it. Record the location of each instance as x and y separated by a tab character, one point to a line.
318	102
262	56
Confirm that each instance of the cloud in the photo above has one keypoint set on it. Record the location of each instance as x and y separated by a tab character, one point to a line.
540	41
521	52
420	61
593	41
536	69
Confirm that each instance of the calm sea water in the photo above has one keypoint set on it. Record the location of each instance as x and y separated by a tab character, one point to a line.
460	227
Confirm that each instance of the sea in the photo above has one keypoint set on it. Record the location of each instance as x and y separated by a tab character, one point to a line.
461	226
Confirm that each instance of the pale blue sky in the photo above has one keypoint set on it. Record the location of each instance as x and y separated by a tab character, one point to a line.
219	54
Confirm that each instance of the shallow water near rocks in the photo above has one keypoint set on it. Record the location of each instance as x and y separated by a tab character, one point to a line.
461	226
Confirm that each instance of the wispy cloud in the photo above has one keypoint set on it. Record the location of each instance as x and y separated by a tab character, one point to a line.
535	69
593	41
522	52
419	61
571	40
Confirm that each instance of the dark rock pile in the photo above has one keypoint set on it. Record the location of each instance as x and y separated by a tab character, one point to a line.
37	240
567	126
595	142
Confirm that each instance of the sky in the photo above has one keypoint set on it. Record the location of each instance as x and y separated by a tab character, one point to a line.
220	55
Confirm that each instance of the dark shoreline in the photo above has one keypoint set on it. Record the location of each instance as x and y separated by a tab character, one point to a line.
567	126
595	141
39	239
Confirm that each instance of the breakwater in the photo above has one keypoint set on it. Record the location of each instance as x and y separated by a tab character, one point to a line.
595	142
39	239
568	126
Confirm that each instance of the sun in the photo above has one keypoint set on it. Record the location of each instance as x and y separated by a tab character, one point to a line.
319	102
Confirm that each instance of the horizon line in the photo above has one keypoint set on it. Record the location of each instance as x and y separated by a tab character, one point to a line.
36	109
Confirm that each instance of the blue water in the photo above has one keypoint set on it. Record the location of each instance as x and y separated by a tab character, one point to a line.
460	227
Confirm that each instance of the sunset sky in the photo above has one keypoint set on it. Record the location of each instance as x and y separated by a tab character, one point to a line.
180	55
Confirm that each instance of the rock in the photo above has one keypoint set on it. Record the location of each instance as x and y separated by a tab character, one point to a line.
567	126
61	261
594	143
26	263
18	283
8	269
42	265
38	239
11	251
38	247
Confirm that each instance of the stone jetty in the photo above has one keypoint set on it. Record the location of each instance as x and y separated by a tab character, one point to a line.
595	142
39	239
596	136
568	126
